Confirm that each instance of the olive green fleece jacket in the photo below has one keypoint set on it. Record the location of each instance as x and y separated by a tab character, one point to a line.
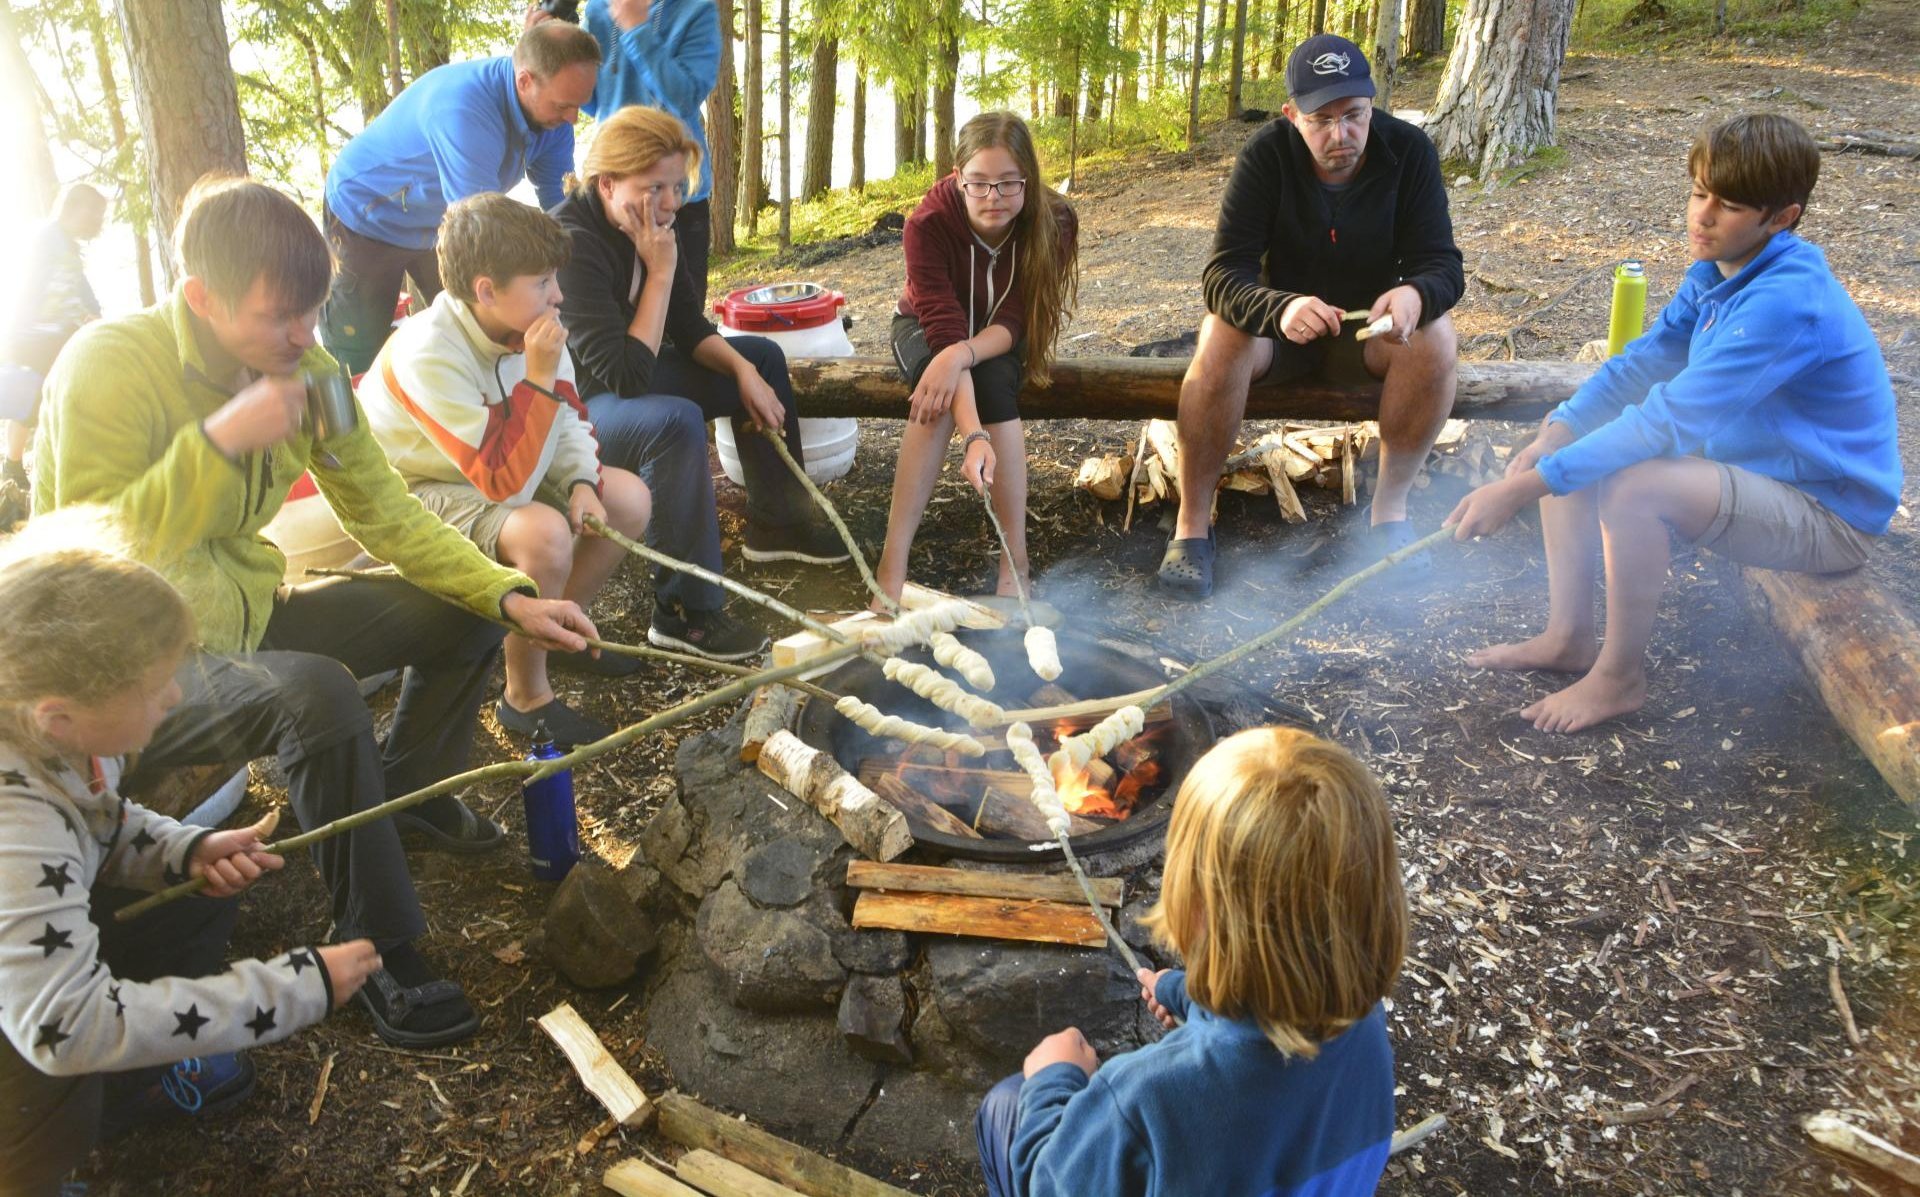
120	427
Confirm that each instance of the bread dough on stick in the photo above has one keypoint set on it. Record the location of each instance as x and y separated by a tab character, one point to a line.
943	692
876	722
1044	797
1103	737
971	665
1043	655
916	628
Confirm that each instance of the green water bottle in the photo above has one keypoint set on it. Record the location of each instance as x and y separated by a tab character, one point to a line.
1629	305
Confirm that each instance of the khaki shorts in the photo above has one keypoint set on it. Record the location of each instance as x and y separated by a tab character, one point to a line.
1766	522
476	517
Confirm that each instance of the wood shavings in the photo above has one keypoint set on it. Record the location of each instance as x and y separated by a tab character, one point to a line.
1043	655
1044	797
943	692
949	652
874	721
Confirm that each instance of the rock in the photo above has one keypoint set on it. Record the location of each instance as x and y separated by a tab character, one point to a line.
770	961
781	873
1592	351
1130	927
1001	999
594	934
873	951
873	1018
918	1116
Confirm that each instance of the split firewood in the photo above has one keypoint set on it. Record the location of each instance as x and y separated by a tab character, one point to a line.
1836	1134
1052	694
1009	816
1043	653
948	651
874	828
805	644
1133	478
597	1070
1104	477
1276	463
723	1178
986	918
692	1125
1349	492
909	801
773	709
943	692
875	722
637	1178
930	879
1163	438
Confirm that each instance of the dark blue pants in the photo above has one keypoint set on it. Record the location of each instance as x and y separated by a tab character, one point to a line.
662	437
993	1130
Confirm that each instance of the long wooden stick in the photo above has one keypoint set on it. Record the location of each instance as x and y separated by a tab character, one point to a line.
833	517
1099	911
727	667
1013	567
523	771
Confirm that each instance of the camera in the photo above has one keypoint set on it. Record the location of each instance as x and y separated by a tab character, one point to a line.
330	408
564	10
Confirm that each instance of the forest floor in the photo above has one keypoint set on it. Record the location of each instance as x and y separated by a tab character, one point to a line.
1620	974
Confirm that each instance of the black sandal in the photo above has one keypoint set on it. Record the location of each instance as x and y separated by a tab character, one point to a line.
476	835
1186	571
392	1006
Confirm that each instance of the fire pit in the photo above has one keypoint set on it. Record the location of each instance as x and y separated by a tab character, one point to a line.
989	794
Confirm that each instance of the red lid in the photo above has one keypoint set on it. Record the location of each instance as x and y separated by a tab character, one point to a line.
780	307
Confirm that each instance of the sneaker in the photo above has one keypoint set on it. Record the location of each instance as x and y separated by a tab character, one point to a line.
814	542
201	1087
560	721
711	634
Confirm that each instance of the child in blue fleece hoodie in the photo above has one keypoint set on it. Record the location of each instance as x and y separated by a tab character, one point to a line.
1282	893
1755	419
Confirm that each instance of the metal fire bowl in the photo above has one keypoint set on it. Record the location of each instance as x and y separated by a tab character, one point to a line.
1091	668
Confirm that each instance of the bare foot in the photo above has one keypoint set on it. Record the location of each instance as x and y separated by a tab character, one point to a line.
1006	589
1593	699
1548	650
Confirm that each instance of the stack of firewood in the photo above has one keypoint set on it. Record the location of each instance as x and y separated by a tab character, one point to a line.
1336	457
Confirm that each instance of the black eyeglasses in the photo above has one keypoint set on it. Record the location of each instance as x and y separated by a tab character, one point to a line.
980	190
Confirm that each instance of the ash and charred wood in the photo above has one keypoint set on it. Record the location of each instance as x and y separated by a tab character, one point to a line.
1133	388
909	801
1008	816
690	1124
984	918
928	879
870	825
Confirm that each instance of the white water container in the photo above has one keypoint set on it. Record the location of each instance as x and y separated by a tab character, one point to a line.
804	320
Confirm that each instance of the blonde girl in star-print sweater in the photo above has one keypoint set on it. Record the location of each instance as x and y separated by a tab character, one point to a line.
89	646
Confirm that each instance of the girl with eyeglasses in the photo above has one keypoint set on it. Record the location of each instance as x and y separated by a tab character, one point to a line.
991	275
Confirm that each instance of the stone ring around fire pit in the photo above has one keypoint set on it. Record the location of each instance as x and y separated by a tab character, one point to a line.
1134	789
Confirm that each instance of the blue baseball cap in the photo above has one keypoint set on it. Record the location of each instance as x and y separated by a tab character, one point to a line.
1327	67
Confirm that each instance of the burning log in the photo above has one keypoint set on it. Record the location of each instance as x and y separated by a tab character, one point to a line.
926	879
954	780
871	826
986	918
773	709
1010	816
909	801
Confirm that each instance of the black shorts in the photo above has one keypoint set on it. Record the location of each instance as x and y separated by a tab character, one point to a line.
1338	359
996	381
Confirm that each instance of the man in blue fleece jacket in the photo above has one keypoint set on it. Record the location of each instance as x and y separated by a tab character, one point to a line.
458	130
1755	419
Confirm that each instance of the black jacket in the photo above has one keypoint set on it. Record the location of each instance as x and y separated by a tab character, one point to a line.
1282	235
600	290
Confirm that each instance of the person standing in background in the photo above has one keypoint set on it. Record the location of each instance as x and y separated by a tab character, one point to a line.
52	299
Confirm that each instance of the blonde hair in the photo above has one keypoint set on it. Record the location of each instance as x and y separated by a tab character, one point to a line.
1050	267
631	141
81	624
1282	887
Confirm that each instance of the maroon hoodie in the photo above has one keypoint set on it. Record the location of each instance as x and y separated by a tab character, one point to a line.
942	251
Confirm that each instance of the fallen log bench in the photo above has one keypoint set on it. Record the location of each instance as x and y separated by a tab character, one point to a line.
1137	388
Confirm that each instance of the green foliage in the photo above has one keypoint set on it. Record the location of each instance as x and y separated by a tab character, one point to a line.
843	213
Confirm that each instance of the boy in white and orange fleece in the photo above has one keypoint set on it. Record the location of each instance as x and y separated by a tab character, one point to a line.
474	402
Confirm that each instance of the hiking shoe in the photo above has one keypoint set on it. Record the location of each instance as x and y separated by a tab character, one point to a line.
714	635
412	1005
813	542
564	724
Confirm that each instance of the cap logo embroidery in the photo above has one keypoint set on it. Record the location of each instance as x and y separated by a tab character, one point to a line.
1331	63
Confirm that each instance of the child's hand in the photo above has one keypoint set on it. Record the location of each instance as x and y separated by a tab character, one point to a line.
1062	1047
976	465
939	382
1487	510
233	860
546	339
348	966
1150	981
1552	437
584	501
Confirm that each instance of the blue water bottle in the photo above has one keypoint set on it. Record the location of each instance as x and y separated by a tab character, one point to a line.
553	834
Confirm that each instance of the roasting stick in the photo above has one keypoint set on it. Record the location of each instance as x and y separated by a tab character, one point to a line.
833	517
1043	654
520	771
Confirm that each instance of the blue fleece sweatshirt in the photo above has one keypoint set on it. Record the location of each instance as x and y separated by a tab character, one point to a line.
670	61
457	131
1773	370
1213	1108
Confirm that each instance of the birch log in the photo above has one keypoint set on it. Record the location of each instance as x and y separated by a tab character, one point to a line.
874	828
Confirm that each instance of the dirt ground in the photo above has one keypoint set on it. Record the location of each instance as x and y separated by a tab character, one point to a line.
1622	977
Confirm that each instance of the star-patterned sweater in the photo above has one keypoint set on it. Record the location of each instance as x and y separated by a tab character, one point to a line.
60	1007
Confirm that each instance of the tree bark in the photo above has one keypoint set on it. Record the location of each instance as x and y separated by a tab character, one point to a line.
1199	60
1128	92
189	107
1219	38
1497	100
1277	60
946	77
786	126
394	81
1237	74
859	180
1159	53
823	103
1386	53
30	127
723	140
753	151
1319	16
1426	27
122	149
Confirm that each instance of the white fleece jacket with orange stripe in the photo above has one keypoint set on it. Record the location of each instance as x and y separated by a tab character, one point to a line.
449	404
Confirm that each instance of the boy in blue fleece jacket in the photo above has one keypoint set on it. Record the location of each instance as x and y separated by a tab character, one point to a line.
1282	892
1755	419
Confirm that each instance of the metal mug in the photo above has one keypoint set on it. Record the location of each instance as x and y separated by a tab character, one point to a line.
331	413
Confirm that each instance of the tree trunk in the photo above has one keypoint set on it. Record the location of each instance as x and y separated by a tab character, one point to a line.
1065	102
394	81
184	90
122	150
723	141
1216	55
922	122
1277	60
1386	53
752	148
859	181
1426	27
30	129
1128	92
1496	102
1193	84
1096	98
1159	53
1238	71
786	127
823	103
946	77
428	34
1319	16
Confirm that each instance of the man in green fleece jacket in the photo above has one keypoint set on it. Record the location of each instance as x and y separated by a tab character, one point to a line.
185	422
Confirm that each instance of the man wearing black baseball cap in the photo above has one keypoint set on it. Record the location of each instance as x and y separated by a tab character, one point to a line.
1334	208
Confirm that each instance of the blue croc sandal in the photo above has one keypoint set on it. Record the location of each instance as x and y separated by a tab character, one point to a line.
1186	571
